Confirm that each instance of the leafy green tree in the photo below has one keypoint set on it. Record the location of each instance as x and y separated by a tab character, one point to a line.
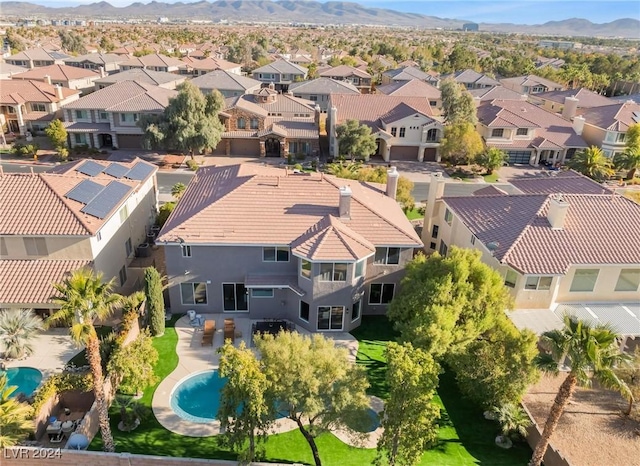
629	159
57	134
155	301
18	327
497	368
460	143
592	353
410	414
189	123
632	137
72	42
313	378
15	416
492	159
83	297
164	212
458	105
132	365
629	373
460	58
355	140
593	163
246	412
445	303
177	190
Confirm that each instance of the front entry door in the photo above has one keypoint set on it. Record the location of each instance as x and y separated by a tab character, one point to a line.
330	317
106	140
272	147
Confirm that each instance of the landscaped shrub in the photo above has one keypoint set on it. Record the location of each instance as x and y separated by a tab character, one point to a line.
132	365
59	383
291	159
193	165
300	156
155	300
163	214
25	150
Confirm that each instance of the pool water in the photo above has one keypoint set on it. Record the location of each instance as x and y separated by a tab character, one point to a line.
197	398
27	379
371	423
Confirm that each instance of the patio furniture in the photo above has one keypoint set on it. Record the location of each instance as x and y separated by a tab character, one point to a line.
229	330
54	432
67	427
208	332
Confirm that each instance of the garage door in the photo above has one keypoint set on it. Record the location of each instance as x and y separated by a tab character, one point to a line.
430	154
220	148
245	147
404	153
520	157
130	141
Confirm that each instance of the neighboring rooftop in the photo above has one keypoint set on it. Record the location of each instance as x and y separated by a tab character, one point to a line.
126	96
153	60
95	58
281	67
616	117
496	92
221	79
20	91
587	98
411	88
344	71
472	77
209	64
57	73
38	54
139	75
558	182
530	80
408	73
323	86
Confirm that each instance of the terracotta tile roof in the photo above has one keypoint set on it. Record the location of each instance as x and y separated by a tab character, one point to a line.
57	73
30	281
281	66
473	77
616	117
489	191
407	73
302	129
7	69
323	86
209	63
587	98
411	88
331	240
126	96
96	58
531	80
141	76
599	229
153	59
344	71
21	91
37	54
287	105
369	108
226	205
497	92
76	127
220	79
558	182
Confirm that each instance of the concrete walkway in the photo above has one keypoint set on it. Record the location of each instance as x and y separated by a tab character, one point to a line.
194	358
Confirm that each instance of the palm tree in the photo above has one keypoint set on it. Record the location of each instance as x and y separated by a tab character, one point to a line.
177	190
593	163
513	420
628	160
17	329
15	417
591	352
83	297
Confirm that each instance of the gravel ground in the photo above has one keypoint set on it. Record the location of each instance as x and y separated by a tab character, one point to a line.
592	431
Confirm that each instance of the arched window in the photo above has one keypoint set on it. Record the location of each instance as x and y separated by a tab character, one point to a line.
432	135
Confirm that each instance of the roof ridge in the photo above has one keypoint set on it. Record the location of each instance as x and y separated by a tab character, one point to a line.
43	176
526	227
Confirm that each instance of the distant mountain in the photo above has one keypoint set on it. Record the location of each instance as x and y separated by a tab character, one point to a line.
306	11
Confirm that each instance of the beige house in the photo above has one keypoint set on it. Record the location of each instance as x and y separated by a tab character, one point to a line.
471	79
141	76
551	249
531	84
404	127
155	62
606	127
108	62
82	214
203	66
227	83
63	75
570	101
280	73
7	70
31	105
109	117
413	88
39	56
408	73
359	78
319	90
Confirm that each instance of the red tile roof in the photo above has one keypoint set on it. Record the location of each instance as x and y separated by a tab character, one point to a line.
616	117
57	73
558	182
21	91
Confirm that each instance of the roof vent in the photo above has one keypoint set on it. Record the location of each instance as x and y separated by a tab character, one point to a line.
493	246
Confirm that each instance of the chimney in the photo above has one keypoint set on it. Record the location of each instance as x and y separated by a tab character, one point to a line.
477	101
557	212
59	94
31	64
436	191
103	73
578	124
392	182
47	79
316	116
570	107
345	202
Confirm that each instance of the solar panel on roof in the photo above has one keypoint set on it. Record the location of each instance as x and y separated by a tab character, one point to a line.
107	200
90	168
116	170
139	171
84	191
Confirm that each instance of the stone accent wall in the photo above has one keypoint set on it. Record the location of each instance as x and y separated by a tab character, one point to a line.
232	122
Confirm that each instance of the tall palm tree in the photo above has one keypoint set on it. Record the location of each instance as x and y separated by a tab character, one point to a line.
84	297
593	163
17	329
592	353
628	160
15	417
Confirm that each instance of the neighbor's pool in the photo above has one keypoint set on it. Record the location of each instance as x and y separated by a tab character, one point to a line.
372	423
27	379
197	398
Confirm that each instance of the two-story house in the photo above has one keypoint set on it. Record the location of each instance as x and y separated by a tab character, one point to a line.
320	253
227	83
404	127
413	88
471	79
268	124
95	61
407	73
557	252
359	78
606	127
204	65
485	94
109	117
154	62
527	133
81	214
569	102
531	84
153	78
62	75
31	105
280	73
320	89
38	56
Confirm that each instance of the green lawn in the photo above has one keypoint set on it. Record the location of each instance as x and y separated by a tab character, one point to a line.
413	214
80	359
465	438
493	178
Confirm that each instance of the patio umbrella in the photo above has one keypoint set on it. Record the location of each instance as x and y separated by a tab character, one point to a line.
78	442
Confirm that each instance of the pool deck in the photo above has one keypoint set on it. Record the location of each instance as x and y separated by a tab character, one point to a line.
194	358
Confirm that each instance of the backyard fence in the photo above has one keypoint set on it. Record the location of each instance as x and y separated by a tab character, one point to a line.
552	457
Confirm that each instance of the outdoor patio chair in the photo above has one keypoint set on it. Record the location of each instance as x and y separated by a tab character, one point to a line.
229	330
208	332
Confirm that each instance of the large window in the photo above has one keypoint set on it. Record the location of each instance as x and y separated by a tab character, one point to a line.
333	272
584	280
443	248
359	269
253	123
497	133
193	293
448	216
304	311
434	231
305	268
242	123
355	312
522	131
536	282
432	135
234	297
275	254
381	293
628	280
511	278
35	246
186	250
394	132
387	256
403	131
129	118
81	115
262	292
330	317
37	107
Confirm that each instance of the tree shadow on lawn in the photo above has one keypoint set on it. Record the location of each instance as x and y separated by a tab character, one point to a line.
476	434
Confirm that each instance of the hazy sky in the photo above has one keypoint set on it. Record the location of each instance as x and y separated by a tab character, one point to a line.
490	11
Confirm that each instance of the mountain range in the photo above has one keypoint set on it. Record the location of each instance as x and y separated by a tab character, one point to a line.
305	11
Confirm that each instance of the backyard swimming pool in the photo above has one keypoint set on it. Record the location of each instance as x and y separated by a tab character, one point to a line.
197	398
27	379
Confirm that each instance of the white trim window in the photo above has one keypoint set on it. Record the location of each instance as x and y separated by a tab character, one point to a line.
333	272
304	311
510	279
381	293
262	292
628	280
234	297
330	317
193	293
358	269
305	269
448	216
186	250
387	256
275	254
538	283
356	310
584	280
